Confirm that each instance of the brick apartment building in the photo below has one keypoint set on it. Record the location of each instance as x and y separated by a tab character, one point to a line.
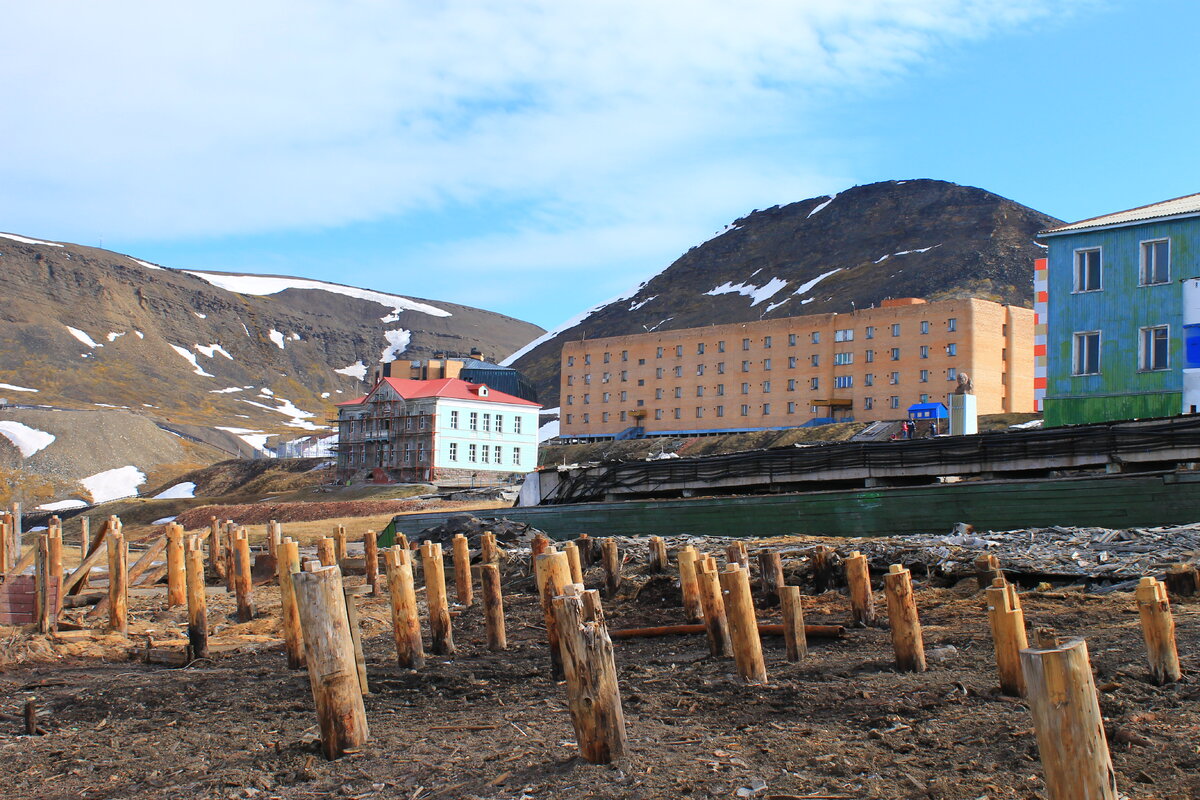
870	364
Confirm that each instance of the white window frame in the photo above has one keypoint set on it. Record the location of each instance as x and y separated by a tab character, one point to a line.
1075	338
1142	277
454	451
1143	351
1076	273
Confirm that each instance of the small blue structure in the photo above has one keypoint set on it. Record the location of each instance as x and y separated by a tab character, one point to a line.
928	411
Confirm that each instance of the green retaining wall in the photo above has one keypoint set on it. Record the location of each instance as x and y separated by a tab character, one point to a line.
1107	408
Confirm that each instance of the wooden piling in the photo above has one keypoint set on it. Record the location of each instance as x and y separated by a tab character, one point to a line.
858	579
487	548
287	563
339	541
743	627
360	658
689	586
371	554
716	626
1158	629
493	607
197	602
329	650
593	695
243	586
611	558
822	566
587	554
326	552
227	547
463	588
552	573
795	640
538	545
736	553
176	570
770	570
572	551
406	621
1066	717
442	635
1183	580
987	570
907	641
658	554
1008	635
44	603
118	586
85	542
54	555
216	550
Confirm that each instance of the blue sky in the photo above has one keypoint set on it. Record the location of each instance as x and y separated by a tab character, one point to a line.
536	158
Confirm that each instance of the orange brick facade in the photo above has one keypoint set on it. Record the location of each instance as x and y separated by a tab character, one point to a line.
865	365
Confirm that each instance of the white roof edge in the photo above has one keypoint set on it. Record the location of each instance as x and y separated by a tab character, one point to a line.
1082	228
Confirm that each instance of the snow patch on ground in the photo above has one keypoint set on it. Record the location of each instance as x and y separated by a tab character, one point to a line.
807	285
12	388
212	349
821	206
139	334
356	370
199	315
163	521
145	264
1024	426
638	304
256	439
227	390
757	294
548	431
113	484
276	337
324	395
271	284
25	240
83	337
287	408
26	439
113	336
190	357
179	490
397	343
62	505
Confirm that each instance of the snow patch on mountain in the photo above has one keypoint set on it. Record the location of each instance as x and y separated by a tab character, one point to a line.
26	240
26	439
356	370
397	343
190	357
757	294
260	285
807	285
113	484
83	337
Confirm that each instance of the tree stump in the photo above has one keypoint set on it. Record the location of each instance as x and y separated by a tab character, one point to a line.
593	695
463	588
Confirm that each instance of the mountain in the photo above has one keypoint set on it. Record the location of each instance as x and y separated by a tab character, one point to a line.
86	328
916	238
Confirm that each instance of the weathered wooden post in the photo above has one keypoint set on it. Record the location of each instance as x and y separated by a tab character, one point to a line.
243	586
611	557
858	579
228	546
538	545
5	546
493	607
1183	580
1008	635
736	553
795	640
339	541
552	573
1066	717
360	658
572	551
442	636
716	626
326	552
487	548
274	537
463	588
987	570
329	650
85	544
587	554
689	586
743	626
658	554
1158	629
770	568
907	640
176	570
18	535
197	601
371	553
287	563
118	582
406	621
216	550
593	694
822	564
54	554
43	587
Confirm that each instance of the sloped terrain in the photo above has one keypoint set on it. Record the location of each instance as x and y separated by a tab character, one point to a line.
918	238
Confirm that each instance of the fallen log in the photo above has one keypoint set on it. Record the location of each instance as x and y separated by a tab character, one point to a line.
80	600
764	629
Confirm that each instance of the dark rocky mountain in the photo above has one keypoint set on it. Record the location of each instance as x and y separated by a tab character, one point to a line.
89	328
917	238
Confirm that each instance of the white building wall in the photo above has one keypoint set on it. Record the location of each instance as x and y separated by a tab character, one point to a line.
507	434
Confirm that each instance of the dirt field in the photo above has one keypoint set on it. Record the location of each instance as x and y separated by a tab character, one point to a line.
842	724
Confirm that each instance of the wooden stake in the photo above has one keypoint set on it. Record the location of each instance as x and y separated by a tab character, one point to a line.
462	570
822	564
360	658
31	726
1066	718
1008	635
99	551
339	541
493	607
593	695
552	573
228	548
54	555
406	621
987	570
1183	580
770	568
371	554
538	545
44	586
572	551
611	557
85	542
329	650
858	578
272	529
216	550
118	586
689	587
743	627
795	641
243	586
287	564
435	597
736	553
715	623
326	552
907	640
176	571
487	548
587	555
197	601
1158	629
658	554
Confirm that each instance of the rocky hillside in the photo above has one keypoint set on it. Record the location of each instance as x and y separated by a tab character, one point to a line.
86	328
918	238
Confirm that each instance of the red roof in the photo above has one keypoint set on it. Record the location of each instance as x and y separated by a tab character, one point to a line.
452	388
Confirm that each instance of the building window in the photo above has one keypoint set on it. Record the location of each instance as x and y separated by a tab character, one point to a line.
816	337
745	411
587	418
587	399
895	329
587	379
791	384
487	422
1087	353
641	381
570	380
624	355
453	419
791	362
699	348
699	369
766	409
843	381
1087	270
499	424
679	372
677	413
924	398
604	397
745	388
952	374
1154	349
766	386
624	397
894	401
720	390
814	384
924	326
952	349
745	366
678	391
766	364
421	454
570	361
766	341
486	454
454	451
606	357
641	402
843	358
623	416
869	379
745	344
894	379
792	339
658	394
952	324
658	353
721	346
924	377
924	351
679	351
473	421
895	354
516	424
472	453
658	413
870	332
570	418
587	359
516	456
816	360
1156	262
604	417
870	356
844	335
868	403
606	377
624	375
641	362
699	412
699	391
720	367
720	411
658	372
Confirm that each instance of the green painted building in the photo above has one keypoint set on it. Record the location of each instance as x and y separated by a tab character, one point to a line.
1122	292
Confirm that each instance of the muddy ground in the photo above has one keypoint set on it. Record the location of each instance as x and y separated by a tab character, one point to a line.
842	724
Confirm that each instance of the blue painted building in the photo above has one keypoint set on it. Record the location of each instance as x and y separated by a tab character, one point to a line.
1121	292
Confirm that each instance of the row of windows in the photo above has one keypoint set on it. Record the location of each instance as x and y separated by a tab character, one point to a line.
744	410
1154	347
485	454
842	335
1154	265
484	422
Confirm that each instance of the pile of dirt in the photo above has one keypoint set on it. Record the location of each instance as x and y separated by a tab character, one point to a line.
259	513
470	526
